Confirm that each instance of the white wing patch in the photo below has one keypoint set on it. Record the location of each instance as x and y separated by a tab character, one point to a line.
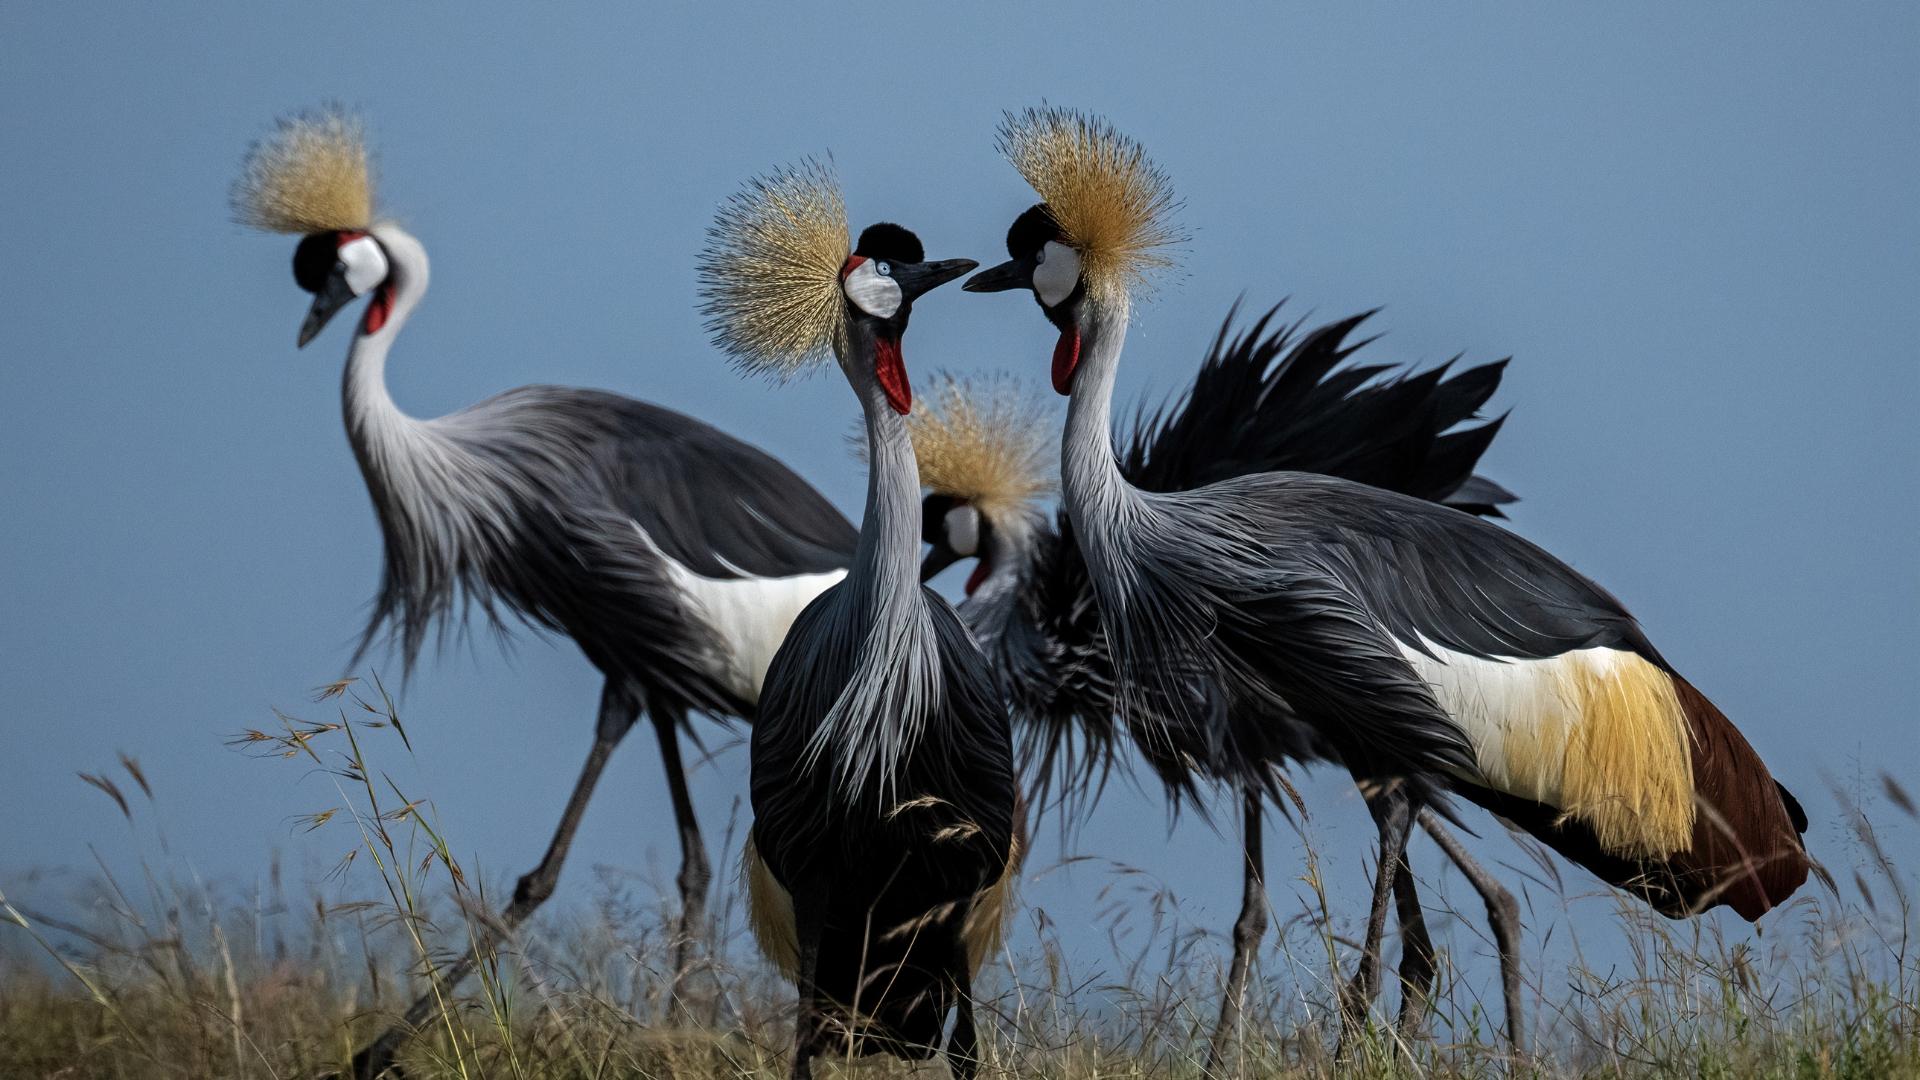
1491	698
750	616
1596	733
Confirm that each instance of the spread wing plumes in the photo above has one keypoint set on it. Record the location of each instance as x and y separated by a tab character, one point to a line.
1270	398
1114	204
770	271
987	441
310	175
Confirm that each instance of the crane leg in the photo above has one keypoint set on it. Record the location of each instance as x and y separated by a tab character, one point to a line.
963	1051
1248	929
618	711
809	910
695	873
1418	965
1393	813
1503	915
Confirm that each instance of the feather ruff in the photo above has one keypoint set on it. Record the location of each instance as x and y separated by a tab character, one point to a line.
770	271
1112	202
309	176
987	442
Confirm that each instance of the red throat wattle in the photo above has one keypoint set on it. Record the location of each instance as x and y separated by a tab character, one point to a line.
980	571
378	309
891	369
1066	357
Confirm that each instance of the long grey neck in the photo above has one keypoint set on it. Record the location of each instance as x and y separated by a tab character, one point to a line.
372	417
1093	488
895	683
887	561
1010	552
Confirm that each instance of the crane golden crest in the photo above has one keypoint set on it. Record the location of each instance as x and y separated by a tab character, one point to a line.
770	272
988	443
1111	200
309	176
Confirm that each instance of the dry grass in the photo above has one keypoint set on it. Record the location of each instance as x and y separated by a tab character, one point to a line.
164	978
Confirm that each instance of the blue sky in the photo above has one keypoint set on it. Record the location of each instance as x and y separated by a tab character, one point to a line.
1695	230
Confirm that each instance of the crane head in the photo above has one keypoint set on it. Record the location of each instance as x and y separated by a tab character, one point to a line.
1104	223
781	291
983	448
311	178
337	268
1043	259
887	271
955	529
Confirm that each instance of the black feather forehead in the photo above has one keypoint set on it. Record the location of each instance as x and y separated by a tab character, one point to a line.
1032	230
314	259
886	240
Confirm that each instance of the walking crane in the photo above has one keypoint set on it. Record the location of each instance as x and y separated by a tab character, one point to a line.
1260	401
883	840
578	511
1431	650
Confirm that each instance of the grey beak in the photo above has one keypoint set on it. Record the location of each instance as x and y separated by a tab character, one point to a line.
326	304
917	279
1012	274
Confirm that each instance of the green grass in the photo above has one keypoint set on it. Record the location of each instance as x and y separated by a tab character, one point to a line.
158	978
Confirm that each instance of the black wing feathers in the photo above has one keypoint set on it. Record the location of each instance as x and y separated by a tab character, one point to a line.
1266	402
891	877
712	503
965	756
1436	575
535	513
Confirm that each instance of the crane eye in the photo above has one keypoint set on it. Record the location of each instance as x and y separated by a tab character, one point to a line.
1040	257
871	289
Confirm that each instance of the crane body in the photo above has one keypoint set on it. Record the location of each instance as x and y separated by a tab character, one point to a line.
580	511
883	840
1259	401
1343	603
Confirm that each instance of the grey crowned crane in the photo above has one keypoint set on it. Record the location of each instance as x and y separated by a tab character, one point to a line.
675	556
1432	651
883	841
1260	401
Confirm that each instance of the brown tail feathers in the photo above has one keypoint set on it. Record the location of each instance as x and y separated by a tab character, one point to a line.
1745	851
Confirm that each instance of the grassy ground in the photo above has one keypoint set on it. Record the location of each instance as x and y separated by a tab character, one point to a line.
157	979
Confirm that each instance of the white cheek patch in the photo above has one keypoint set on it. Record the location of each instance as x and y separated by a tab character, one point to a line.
873	292
1059	271
963	530
366	264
